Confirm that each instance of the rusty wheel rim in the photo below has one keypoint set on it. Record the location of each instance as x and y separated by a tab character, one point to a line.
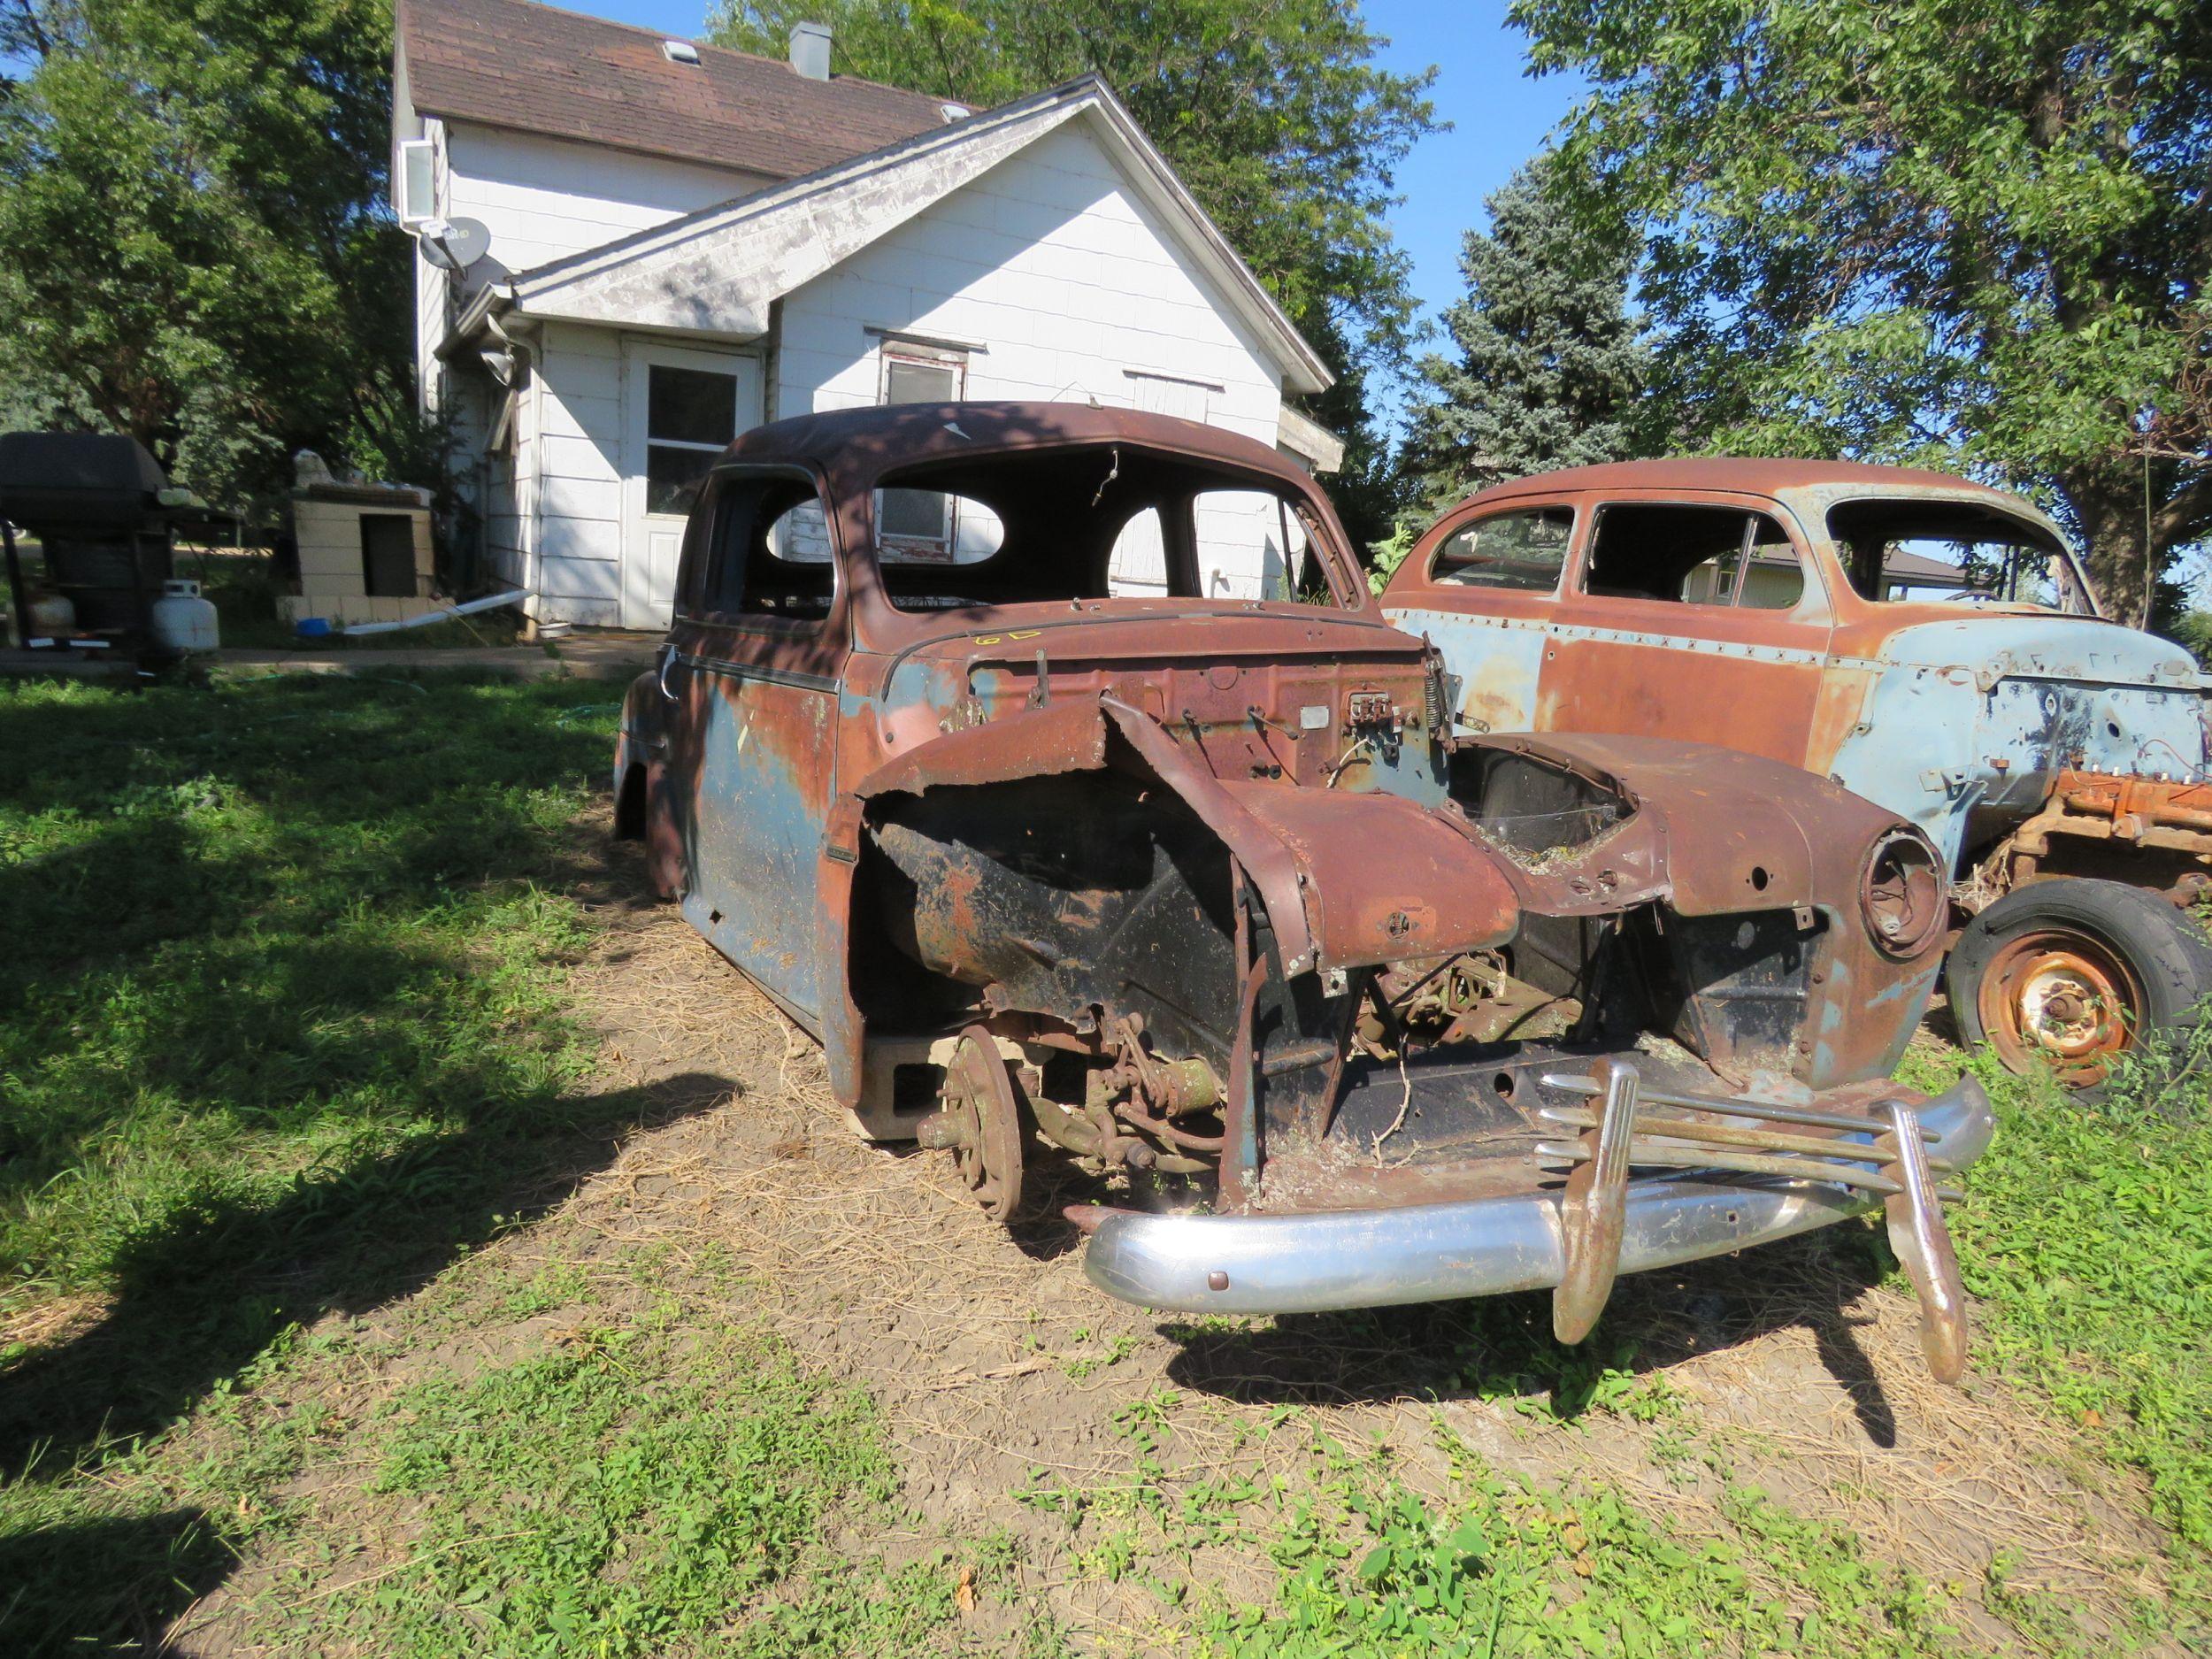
984	1116
2061	998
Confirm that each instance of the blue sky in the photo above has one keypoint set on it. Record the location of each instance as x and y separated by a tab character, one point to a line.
1499	115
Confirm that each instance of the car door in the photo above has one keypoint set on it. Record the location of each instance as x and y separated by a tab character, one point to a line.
1701	619
753	663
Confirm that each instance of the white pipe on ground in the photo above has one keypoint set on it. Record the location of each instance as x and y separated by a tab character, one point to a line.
450	612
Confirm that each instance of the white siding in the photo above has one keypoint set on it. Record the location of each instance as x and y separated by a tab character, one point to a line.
546	198
1050	263
579	455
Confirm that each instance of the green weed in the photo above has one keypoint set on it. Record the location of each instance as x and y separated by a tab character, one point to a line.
2087	1237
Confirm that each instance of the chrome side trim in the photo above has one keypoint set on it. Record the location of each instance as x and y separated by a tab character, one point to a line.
1372	1258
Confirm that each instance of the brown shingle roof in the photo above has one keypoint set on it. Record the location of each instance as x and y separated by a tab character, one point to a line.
535	68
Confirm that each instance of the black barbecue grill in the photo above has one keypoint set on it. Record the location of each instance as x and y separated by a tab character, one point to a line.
93	502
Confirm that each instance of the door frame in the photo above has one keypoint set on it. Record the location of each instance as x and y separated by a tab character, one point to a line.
640	354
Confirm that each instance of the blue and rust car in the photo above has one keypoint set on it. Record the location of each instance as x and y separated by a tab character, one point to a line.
1202	890
1926	641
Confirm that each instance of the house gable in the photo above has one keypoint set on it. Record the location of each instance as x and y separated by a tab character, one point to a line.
719	271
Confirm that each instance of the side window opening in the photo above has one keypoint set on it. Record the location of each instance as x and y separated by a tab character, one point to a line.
1724	556
767	550
1521	551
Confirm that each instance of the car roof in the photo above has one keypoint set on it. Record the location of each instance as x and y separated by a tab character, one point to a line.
1751	474
858	444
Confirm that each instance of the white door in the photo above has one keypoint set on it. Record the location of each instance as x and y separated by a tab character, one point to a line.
684	406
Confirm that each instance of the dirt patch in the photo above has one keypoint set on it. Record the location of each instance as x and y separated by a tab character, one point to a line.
1001	1372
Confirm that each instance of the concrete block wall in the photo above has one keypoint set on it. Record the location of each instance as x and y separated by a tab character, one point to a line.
331	576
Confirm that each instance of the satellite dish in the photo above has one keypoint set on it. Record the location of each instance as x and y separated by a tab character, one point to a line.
454	244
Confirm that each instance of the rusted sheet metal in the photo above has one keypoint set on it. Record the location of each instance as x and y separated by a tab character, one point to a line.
1957	719
1432	893
1167	855
1067	736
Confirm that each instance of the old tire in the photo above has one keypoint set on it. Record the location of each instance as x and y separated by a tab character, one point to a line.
2068	972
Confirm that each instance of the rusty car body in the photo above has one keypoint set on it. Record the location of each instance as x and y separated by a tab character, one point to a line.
1203	892
1769	606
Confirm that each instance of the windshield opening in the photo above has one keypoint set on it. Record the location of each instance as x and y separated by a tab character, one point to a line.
1096	521
1898	552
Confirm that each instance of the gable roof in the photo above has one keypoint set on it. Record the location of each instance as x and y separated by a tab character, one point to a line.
717	271
534	68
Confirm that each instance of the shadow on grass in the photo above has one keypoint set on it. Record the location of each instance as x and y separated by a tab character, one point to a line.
199	1298
1502	1348
128	1578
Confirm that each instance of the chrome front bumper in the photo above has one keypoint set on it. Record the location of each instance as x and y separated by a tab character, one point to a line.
1368	1258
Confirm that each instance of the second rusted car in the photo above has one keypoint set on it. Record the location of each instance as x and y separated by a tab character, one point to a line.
950	750
1925	641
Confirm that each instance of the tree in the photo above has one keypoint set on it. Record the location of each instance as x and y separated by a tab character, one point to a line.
1276	117
191	249
1549	360
1964	231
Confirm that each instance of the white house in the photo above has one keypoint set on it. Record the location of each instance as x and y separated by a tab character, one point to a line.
661	244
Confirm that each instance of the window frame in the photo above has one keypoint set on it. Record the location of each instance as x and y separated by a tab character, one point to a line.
651	443
695	571
1568	561
1811	603
894	350
408	211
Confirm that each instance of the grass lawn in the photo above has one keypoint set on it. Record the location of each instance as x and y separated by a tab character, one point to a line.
293	1094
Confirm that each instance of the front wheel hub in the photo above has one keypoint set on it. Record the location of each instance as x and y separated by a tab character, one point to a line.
2064	999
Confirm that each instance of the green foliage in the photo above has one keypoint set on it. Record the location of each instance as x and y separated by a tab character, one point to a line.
2087	1235
1956	230
561	1501
2194	631
1548	361
1276	118
190	245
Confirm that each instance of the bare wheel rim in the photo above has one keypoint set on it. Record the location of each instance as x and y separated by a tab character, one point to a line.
2063	998
986	1116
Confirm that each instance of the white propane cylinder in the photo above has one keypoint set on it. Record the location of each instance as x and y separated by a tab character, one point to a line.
183	621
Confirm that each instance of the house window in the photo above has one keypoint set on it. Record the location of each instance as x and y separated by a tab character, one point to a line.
690	417
1168	395
919	524
418	181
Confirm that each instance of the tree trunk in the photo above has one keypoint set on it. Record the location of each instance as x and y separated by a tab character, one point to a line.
2109	505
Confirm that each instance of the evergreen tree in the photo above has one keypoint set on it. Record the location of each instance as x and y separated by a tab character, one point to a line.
1548	357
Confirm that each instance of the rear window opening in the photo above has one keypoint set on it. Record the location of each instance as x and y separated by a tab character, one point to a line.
1095	522
1906	550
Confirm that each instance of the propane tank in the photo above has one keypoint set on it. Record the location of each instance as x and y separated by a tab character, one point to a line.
183	621
49	615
